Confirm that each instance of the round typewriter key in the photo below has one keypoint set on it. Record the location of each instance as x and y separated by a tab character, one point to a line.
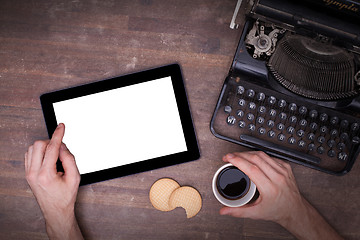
290	130
342	156
302	110
240	90
354	127
231	120
334	120
262	131
242	102
323	117
250	117
282	103
282	116
320	150
300	133
301	143
272	100
281	137
355	140
228	109
242	124
331	153
271	134
311	136
292	107
240	113
252	106
303	122
344	123
292	140
323	129
260	120
280	126
341	146
333	133
344	136
252	127
331	143
313	126
293	119
272	113
262	109
321	139
313	113
260	96
311	147
270	123
250	93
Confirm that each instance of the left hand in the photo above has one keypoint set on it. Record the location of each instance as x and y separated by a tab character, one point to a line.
55	191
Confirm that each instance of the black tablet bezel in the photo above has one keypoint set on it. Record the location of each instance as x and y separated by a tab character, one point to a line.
174	72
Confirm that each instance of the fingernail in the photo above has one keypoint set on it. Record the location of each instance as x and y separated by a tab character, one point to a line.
230	155
60	125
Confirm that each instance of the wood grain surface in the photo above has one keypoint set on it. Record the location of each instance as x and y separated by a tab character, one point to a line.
48	45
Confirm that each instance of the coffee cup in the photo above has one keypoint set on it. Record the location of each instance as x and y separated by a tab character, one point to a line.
232	187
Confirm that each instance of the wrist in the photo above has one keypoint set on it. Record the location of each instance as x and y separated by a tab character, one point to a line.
62	225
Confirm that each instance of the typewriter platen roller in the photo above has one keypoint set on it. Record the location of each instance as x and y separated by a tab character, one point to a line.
293	89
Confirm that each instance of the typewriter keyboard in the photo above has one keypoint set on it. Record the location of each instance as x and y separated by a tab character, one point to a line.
286	127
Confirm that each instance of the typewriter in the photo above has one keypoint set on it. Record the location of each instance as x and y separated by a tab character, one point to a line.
293	89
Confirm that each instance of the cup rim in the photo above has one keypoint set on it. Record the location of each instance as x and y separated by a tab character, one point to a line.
232	203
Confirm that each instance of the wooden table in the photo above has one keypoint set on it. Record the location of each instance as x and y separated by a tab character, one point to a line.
50	45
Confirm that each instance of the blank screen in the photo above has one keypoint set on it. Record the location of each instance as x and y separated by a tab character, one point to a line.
122	126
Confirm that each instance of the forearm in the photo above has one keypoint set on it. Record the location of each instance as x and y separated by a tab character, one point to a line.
63	226
307	223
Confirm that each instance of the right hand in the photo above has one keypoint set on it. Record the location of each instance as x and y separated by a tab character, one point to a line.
279	196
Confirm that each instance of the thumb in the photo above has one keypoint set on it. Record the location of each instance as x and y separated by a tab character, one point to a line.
68	161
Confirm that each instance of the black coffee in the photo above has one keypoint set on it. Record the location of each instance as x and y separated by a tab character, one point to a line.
232	183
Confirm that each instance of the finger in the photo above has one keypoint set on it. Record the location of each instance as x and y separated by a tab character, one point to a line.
251	170
53	148
270	168
28	156
36	155
68	161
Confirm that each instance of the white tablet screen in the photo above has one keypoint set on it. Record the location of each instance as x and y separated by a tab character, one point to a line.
122	126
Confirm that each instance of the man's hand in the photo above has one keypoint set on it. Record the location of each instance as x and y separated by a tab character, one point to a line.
54	191
280	199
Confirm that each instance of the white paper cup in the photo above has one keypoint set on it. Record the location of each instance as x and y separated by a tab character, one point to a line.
228	202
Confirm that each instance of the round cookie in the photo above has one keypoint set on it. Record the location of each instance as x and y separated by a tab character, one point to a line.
188	198
160	193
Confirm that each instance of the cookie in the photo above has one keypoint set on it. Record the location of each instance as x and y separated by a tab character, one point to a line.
160	193
188	198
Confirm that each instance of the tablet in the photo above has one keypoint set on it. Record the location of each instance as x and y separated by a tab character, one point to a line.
124	125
